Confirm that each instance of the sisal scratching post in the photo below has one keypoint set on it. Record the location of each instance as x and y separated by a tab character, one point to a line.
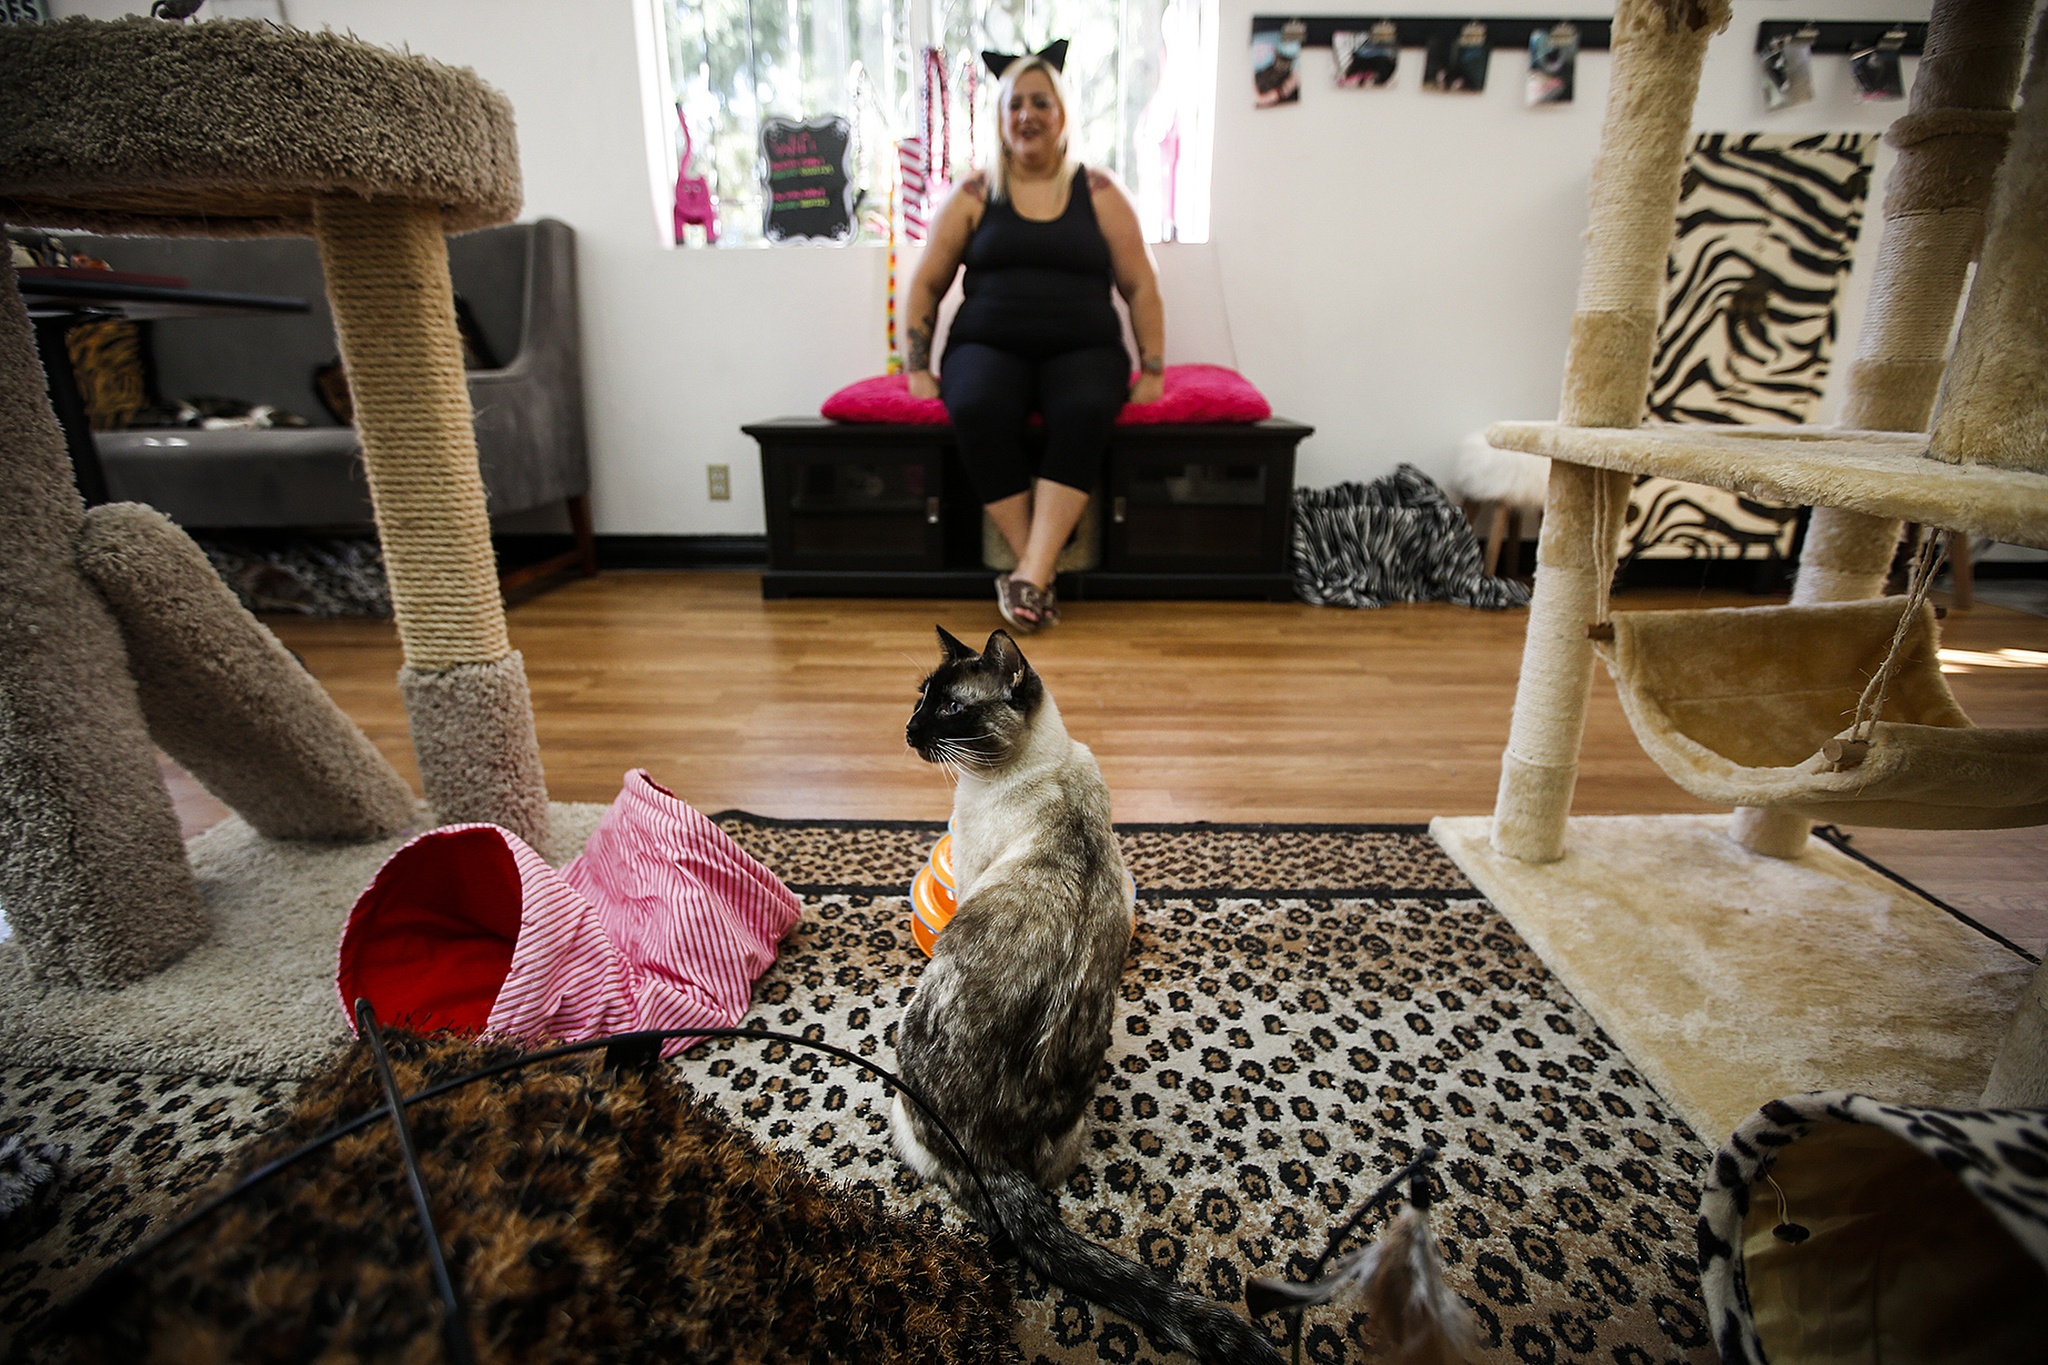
1658	49
1994	404
1773	833
1541	765
465	689
1949	145
93	878
225	699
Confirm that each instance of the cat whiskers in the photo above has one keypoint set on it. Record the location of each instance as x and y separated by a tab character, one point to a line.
956	757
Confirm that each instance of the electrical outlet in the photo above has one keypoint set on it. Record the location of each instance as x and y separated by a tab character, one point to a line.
721	482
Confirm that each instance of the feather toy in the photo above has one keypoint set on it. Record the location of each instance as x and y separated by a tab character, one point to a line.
1400	1278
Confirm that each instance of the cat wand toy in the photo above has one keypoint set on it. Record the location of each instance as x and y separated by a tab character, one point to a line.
1400	1276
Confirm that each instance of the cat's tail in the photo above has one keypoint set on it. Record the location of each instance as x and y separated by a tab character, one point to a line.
1200	1326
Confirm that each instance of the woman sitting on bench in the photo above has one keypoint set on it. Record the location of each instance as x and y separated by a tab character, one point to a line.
1043	238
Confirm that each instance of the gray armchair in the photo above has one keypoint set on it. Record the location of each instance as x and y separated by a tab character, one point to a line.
519	282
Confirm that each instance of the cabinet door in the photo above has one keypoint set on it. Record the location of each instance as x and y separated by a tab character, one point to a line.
1198	511
853	508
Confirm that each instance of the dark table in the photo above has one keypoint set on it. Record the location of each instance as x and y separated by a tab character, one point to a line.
56	306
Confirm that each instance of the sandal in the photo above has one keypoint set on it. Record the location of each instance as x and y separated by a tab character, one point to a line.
1047	604
1014	596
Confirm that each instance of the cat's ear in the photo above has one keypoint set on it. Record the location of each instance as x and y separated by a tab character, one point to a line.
1006	660
952	648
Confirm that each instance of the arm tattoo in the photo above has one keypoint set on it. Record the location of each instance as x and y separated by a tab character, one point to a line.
919	356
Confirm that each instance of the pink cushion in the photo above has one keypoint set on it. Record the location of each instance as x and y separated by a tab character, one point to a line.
1200	393
1192	393
885	398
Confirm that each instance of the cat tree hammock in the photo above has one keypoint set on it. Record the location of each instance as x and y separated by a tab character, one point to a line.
116	632
1752	707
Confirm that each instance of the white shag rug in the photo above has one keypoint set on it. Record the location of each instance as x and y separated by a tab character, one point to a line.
1734	979
257	1000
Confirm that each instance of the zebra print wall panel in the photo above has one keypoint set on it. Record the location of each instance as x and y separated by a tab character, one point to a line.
1767	225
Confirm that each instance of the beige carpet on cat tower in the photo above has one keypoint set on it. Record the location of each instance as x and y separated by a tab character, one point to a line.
1901	753
117	633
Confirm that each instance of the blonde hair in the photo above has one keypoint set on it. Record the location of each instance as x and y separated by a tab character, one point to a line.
999	169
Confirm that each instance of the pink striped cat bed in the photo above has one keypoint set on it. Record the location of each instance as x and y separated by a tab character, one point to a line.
1191	393
662	922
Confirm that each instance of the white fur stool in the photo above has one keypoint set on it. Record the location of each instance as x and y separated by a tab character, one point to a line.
1498	486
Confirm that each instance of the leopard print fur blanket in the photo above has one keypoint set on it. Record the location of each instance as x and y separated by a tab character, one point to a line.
587	1215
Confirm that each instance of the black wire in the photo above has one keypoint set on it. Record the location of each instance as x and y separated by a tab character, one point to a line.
454	1322
1373	1201
124	1267
1837	837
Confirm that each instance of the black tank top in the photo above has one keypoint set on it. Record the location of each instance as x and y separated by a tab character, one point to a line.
1038	289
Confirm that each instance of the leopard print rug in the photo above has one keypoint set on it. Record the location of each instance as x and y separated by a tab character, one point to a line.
1305	1006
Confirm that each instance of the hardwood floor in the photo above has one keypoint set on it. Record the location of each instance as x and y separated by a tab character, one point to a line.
1197	711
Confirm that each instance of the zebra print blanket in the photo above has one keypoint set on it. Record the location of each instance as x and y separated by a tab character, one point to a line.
1396	539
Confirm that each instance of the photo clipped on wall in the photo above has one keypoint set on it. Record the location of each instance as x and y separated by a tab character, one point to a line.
1458	63
1788	70
1553	65
1877	72
1276	64
1369	58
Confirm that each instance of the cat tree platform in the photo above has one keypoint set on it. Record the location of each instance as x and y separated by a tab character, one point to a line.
1878	473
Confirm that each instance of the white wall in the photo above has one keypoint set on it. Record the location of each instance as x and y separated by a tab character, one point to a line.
1394	267
1400	265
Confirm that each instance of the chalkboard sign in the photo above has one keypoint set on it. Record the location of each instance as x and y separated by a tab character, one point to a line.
810	185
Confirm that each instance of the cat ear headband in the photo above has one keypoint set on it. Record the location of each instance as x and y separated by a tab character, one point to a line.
1055	55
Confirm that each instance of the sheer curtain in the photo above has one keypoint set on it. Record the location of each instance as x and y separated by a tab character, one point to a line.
1142	74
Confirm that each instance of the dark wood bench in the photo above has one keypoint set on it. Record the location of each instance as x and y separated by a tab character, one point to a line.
874	510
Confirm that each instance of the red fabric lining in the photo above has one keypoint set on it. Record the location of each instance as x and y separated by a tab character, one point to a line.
430	941
1191	393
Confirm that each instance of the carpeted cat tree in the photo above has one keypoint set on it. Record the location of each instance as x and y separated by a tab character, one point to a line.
1681	937
115	632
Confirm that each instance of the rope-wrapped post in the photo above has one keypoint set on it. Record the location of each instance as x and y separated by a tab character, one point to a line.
465	688
93	878
1994	401
1659	46
1949	144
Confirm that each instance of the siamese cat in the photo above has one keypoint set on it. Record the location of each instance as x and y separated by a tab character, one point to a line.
1012	1018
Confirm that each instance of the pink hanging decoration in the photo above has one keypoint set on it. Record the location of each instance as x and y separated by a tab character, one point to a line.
969	83
693	192
926	161
1169	164
938	104
910	165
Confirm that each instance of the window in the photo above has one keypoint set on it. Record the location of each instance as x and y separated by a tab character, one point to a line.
1142	73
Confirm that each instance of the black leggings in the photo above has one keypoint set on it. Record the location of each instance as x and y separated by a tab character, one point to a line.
991	393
